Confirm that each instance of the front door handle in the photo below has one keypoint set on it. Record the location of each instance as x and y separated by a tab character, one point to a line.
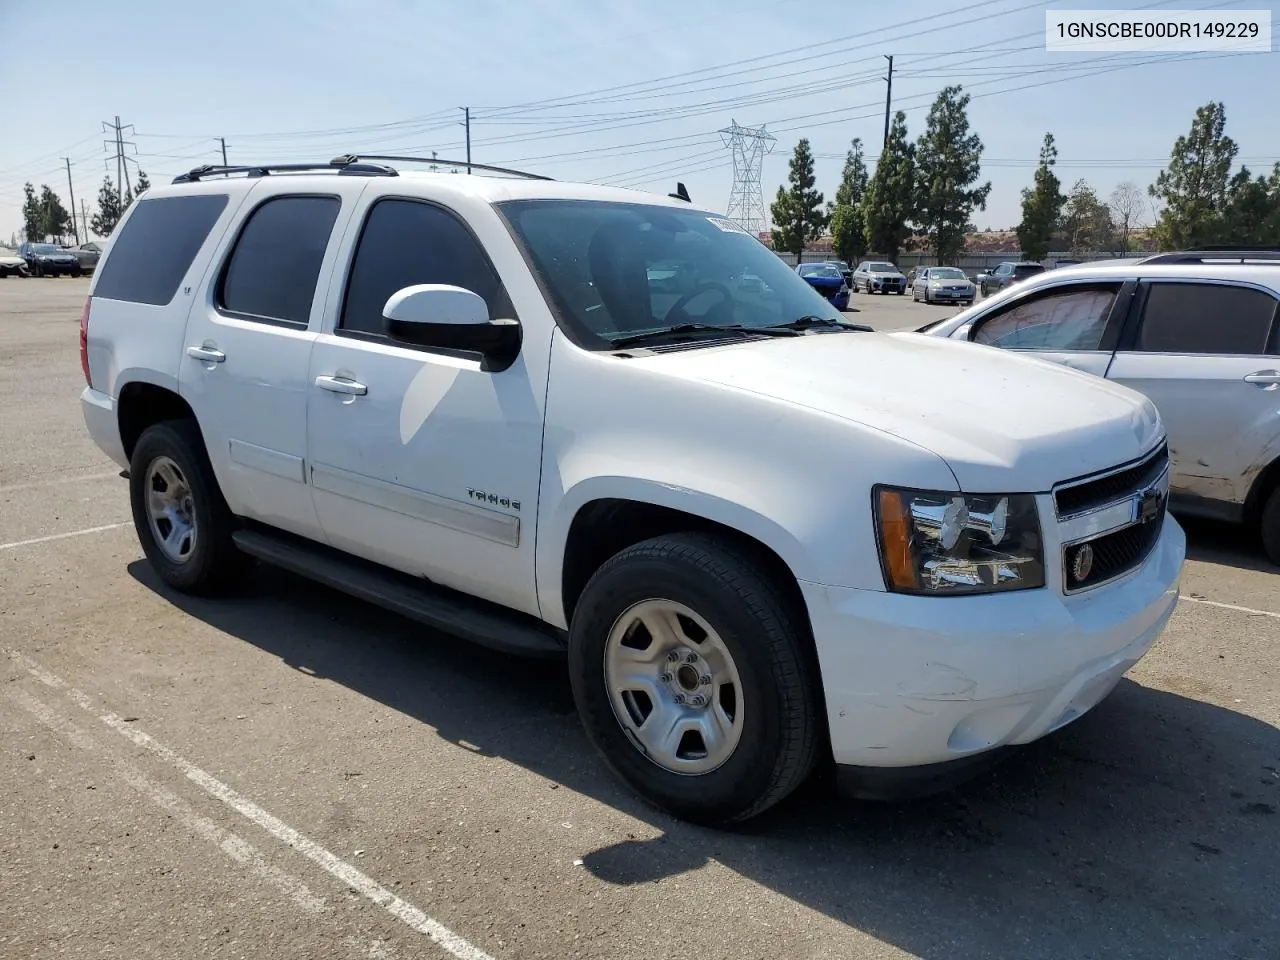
207	354
342	385
1264	378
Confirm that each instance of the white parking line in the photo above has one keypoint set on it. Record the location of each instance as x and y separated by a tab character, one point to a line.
1231	606
37	484
235	847
61	536
363	884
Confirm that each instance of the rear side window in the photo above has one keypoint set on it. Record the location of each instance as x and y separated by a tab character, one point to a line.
1205	318
155	247
272	272
405	243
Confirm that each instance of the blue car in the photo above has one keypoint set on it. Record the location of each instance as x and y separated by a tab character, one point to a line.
828	281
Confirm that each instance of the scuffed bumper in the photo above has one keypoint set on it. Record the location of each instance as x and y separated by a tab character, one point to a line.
916	681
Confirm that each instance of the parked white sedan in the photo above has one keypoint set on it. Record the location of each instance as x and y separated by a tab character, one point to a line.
1197	332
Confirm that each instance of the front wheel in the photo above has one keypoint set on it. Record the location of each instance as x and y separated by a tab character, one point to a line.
182	520
694	678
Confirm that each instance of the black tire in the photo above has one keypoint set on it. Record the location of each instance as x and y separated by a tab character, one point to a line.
76	271
214	563
1270	526
772	653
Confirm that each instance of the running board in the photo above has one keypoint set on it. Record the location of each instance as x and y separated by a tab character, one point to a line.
446	610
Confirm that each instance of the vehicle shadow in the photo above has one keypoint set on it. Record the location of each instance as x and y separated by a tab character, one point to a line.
1148	828
1227	544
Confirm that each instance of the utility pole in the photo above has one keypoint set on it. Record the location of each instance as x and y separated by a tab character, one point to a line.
467	112
71	190
119	162
888	98
84	217
223	141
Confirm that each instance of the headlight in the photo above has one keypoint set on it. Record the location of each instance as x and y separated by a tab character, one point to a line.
942	544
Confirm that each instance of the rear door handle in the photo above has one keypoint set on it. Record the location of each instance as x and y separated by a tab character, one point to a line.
1264	377
207	354
341	385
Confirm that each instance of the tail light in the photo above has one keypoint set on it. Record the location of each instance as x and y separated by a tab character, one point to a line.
84	340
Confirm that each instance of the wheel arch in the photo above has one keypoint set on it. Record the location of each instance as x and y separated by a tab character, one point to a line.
1267	479
140	404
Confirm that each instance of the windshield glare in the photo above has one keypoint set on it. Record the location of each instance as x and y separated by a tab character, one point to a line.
44	248
946	273
614	270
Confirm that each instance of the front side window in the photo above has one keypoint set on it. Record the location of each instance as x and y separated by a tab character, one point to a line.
408	242
273	270
613	270
1072	319
1212	318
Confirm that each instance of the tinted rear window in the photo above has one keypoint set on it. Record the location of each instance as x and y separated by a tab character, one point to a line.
1206	318
273	270
1026	271
155	248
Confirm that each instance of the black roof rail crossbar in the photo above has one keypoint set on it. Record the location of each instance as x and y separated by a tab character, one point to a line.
1255	255
443	163
347	165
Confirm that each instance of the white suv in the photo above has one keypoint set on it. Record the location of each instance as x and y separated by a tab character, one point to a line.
559	418
1196	331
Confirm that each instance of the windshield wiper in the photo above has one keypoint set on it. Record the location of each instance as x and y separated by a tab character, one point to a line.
687	330
810	321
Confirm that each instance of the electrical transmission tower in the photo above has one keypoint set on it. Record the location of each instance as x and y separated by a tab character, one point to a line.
746	197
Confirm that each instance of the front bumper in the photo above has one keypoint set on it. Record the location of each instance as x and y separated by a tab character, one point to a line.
951	296
914	681
887	286
99	411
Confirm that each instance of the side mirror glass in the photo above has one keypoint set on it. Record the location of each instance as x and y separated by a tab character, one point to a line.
451	318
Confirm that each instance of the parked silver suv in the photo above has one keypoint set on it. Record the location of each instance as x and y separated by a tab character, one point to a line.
1197	332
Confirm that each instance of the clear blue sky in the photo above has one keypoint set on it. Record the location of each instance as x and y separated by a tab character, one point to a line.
640	89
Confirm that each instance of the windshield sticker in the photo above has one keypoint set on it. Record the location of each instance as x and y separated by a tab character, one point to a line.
728	226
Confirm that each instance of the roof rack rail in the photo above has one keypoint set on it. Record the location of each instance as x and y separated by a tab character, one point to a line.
348	165
1219	255
352	158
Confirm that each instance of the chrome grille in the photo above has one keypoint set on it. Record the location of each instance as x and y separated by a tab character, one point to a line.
1074	497
1110	522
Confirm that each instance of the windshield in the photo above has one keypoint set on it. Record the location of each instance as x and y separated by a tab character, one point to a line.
946	273
882	268
820	270
44	248
613	270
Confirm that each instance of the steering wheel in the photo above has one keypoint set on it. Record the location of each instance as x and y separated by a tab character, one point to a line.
677	312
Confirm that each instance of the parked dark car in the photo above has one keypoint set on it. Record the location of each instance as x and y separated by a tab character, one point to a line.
828	281
1008	273
88	254
846	271
49	260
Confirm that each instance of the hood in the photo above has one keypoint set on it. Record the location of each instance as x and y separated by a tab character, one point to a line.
1003	423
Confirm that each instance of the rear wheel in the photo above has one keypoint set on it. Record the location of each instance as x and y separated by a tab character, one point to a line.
1270	526
182	520
694	679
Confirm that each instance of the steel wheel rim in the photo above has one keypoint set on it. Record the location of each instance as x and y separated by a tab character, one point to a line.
170	510
674	687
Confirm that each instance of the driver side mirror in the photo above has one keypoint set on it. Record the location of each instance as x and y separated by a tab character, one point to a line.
452	318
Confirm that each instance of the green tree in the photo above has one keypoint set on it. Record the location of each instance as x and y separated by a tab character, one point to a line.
56	220
1086	220
848	233
32	218
1193	188
1041	205
109	209
890	199
948	162
797	210
143	184
1252	214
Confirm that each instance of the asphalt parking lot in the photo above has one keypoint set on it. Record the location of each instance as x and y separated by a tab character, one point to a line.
290	773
